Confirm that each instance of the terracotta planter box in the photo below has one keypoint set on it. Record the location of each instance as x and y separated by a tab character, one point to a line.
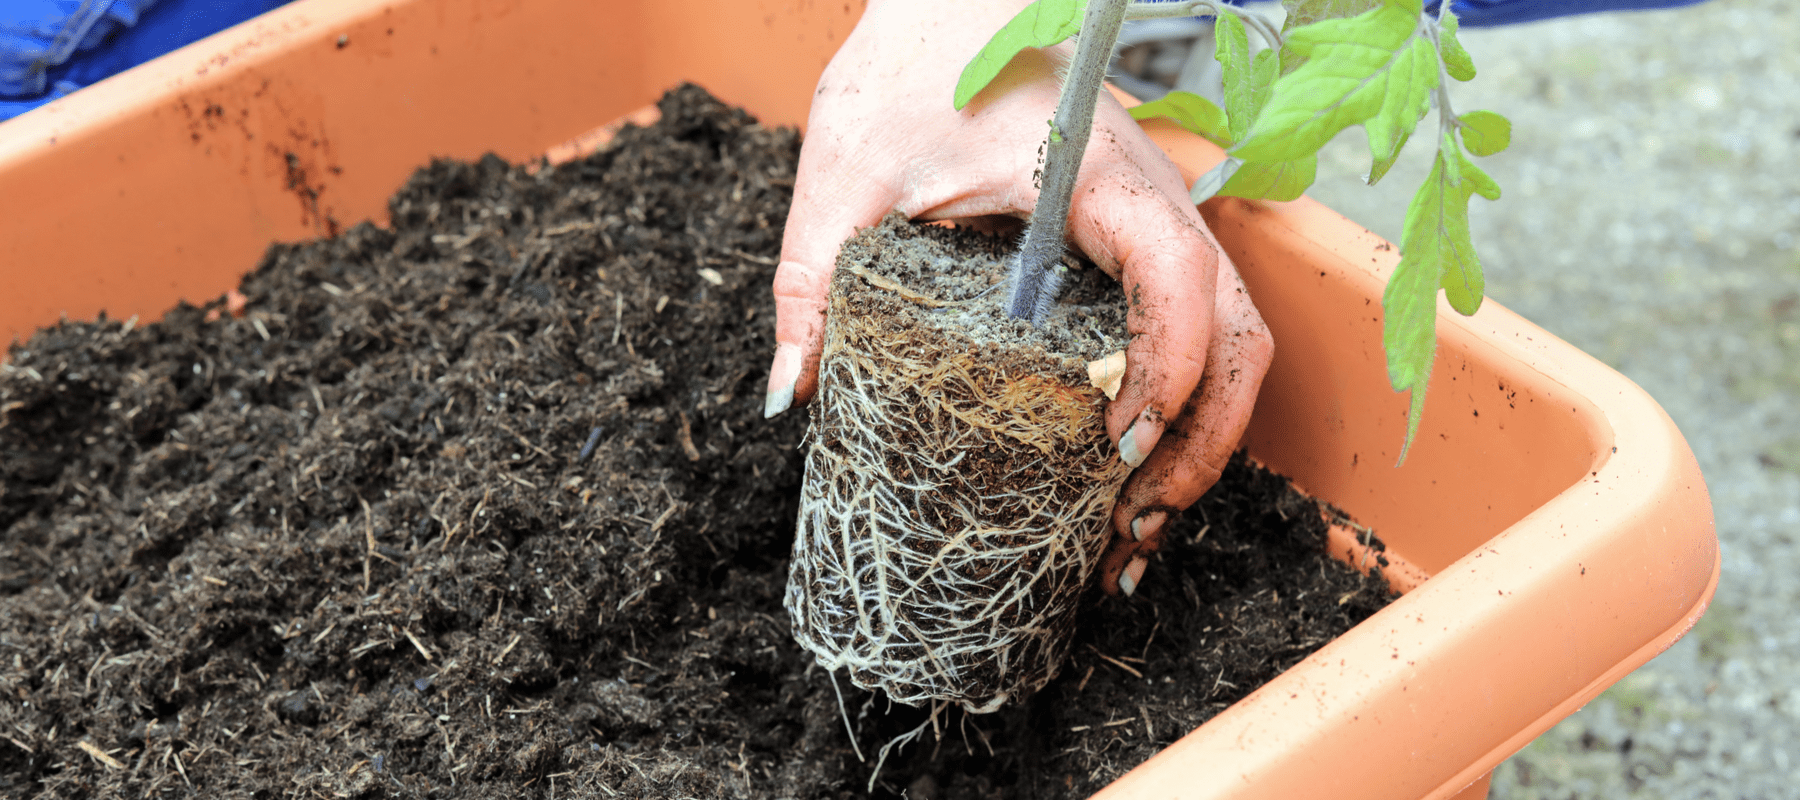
1560	517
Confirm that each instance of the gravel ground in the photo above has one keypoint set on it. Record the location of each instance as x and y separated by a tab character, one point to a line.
1650	216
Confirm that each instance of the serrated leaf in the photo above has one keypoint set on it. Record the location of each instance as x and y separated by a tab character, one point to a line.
1301	13
1190	111
1409	335
1041	24
1456	60
1409	317
1344	81
1232	50
1276	180
1471	178
1437	253
1213	180
1307	12
1437	225
1409	83
1381	166
1485	132
1245	99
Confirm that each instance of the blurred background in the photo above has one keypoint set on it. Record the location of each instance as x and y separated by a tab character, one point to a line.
1650	217
1650	214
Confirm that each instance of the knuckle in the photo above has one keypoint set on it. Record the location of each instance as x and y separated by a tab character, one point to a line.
798	280
1257	342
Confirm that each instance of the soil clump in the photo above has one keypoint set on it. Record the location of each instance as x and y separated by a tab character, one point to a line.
483	505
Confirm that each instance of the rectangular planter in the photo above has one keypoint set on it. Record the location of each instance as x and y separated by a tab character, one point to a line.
1558	512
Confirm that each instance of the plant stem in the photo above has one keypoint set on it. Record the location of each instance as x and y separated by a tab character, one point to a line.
1036	274
1152	9
1447	119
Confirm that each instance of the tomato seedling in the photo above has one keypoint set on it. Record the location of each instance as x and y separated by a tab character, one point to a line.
1381	64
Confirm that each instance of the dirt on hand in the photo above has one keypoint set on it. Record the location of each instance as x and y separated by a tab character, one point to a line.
483	505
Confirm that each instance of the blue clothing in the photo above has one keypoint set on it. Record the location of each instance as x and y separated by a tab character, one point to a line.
1488	13
49	48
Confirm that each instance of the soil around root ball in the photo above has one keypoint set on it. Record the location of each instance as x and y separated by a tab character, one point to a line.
365	541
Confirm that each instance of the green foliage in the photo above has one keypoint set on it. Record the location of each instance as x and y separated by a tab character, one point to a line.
1374	63
1272	180
1407	97
1484	132
1041	24
1456	60
1438	253
1349	68
1190	111
1247	81
1301	13
1380	166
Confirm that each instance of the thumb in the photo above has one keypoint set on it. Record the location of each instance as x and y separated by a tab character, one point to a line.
832	199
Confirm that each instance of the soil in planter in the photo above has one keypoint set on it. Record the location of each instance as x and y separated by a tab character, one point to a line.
483	505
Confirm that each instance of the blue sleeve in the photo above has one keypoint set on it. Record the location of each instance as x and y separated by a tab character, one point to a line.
49	48
1487	13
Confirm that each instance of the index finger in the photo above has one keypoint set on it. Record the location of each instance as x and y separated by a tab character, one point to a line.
831	200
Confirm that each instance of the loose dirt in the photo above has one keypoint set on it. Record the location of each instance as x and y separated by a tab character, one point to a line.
483	505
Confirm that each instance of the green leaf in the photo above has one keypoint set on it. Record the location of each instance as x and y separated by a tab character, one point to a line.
1190	111
1232	51
1278	180
1344	81
1456	60
1307	12
1381	166
1209	184
1437	253
1301	13
1460	272
1246	97
1409	334
1409	324
1409	83
1484	132
1041	24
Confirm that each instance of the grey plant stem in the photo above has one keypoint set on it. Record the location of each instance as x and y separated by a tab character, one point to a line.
1163	9
1035	272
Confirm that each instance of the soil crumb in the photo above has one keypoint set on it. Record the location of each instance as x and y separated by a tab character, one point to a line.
482	504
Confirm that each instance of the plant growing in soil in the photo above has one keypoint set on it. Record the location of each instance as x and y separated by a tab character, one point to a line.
955	501
1332	64
959	483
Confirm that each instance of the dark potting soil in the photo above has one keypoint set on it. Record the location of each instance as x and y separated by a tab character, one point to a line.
484	505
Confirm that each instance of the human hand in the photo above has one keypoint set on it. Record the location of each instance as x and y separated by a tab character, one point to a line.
882	136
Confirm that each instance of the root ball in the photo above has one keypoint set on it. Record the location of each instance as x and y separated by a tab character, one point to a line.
959	480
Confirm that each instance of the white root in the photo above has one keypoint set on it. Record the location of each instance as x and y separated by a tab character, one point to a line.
953	510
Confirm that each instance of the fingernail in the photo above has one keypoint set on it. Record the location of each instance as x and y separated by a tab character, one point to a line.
783	374
1134	573
1148	524
1136	444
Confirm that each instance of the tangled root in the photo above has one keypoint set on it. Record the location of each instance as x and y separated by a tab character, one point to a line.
956	503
